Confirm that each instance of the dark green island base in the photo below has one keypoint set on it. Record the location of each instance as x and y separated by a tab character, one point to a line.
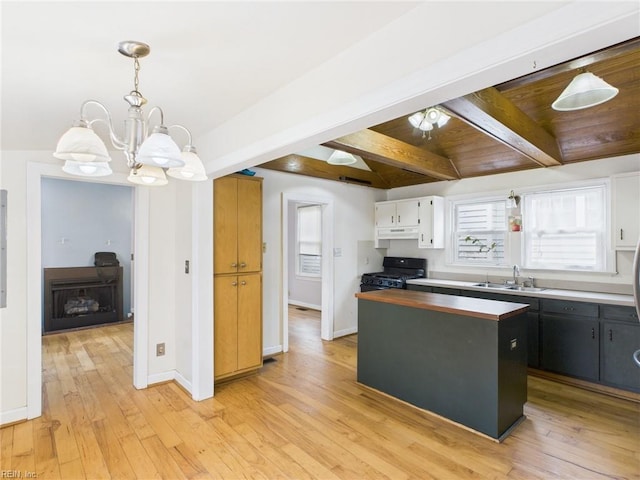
464	359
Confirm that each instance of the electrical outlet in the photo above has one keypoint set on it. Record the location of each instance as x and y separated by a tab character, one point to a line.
159	349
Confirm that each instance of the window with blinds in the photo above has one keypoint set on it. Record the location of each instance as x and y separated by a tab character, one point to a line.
479	232
309	241
566	229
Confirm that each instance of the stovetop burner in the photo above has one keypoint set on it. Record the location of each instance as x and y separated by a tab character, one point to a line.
397	270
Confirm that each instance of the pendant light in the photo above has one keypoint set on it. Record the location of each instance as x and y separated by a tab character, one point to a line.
585	90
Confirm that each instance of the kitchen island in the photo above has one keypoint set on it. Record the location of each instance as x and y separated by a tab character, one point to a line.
464	359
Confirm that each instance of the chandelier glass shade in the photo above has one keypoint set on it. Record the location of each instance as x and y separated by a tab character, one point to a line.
147	153
426	120
585	90
148	176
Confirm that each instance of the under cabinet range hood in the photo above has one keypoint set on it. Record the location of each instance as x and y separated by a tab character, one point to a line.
398	233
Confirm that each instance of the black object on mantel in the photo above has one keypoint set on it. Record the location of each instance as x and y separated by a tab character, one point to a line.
396	272
106	259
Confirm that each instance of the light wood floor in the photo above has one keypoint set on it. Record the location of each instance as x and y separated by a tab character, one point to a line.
302	417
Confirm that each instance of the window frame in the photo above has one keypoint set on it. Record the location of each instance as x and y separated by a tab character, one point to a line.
453	257
606	260
299	273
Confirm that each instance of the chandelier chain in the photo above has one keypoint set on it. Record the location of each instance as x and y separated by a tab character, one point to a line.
136	68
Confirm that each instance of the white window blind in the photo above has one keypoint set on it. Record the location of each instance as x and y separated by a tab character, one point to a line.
566	229
309	240
479	232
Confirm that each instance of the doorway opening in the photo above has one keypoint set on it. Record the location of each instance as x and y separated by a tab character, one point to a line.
315	290
86	253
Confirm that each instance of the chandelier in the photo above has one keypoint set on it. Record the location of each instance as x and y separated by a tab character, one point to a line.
427	119
148	154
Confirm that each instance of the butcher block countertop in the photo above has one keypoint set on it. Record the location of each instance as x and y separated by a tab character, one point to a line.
470	307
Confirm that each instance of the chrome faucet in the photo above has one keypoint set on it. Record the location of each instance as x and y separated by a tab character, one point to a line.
516	273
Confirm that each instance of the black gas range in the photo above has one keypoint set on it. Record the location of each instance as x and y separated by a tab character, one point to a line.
396	272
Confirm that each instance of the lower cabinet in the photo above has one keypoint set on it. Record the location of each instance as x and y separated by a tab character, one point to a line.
238	324
593	342
619	341
571	346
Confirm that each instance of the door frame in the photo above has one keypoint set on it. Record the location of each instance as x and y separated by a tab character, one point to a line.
327	314
35	172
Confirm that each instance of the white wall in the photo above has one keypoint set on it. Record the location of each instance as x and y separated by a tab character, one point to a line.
353	224
502	185
13	328
183	286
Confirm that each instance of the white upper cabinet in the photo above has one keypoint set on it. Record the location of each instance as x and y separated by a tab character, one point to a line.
431	228
626	210
401	213
413	218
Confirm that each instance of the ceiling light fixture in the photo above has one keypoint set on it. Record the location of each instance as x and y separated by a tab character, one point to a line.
148	154
585	90
426	120
338	157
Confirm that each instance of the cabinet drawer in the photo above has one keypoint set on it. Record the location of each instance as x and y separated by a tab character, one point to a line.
570	308
619	312
534	303
446	291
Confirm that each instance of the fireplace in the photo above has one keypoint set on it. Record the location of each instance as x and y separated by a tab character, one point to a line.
77	297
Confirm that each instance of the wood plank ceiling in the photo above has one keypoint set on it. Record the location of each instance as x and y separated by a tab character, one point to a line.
504	128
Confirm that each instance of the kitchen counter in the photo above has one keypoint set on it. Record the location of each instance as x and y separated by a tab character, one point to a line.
575	295
471	307
463	359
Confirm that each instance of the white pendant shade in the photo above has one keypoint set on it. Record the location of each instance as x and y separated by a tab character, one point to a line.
338	157
159	150
81	144
192	170
427	119
87	169
585	90
148	176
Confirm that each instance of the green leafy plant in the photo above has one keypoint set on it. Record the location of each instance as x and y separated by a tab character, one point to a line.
483	247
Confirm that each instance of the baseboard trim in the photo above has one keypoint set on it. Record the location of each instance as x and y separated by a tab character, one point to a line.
10	417
183	382
311	306
593	387
271	351
345	332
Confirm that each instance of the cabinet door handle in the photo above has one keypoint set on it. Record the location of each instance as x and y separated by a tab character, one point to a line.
610	335
391	218
621	234
242	265
398	218
243	283
593	333
234	265
234	284
422	237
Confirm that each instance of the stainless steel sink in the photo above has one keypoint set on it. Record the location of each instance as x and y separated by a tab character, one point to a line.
502	286
490	285
520	288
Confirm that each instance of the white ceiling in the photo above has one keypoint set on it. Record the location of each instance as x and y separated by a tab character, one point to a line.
256	80
208	61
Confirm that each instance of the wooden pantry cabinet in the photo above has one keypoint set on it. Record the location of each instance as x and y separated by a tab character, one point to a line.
237	275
